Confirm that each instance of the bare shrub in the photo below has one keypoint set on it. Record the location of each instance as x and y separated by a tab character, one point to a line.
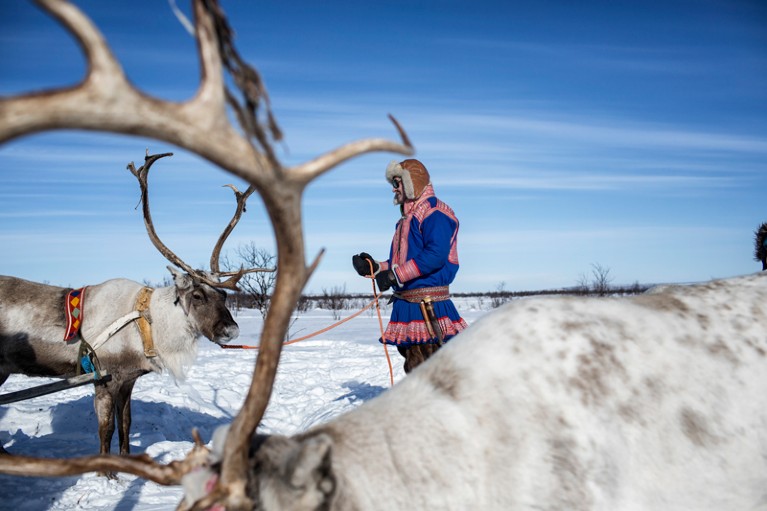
500	296
334	300
257	287
601	280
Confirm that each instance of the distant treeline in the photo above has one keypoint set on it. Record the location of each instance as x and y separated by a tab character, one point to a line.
633	289
338	299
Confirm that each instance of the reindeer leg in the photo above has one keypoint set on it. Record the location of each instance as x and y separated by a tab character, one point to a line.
124	415
105	413
3	377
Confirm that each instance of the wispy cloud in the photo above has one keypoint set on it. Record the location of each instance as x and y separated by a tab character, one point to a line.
606	133
565	181
50	213
469	126
667	60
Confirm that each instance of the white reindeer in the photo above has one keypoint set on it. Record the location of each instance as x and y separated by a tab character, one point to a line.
33	323
656	402
32	326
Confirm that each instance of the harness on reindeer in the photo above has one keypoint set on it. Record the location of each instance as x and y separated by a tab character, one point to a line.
88	361
89	369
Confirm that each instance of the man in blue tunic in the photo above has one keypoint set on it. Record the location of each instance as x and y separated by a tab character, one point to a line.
423	261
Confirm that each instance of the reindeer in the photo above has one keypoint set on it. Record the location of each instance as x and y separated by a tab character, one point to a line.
32	326
760	245
653	402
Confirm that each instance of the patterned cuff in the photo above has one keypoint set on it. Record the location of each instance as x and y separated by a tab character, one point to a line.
407	271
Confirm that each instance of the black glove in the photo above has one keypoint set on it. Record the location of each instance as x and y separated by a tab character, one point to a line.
385	280
361	264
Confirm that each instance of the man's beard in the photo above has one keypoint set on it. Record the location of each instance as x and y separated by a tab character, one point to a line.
398	197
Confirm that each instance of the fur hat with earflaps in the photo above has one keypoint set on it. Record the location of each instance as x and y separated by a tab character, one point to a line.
414	176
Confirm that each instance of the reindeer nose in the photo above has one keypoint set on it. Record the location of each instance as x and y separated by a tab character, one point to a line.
229	333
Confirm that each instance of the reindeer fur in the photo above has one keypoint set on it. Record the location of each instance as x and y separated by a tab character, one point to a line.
614	404
32	325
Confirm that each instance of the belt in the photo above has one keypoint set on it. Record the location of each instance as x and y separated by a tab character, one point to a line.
437	294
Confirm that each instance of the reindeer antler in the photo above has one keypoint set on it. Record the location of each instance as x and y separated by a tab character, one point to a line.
241	198
141	465
142	175
215	257
106	101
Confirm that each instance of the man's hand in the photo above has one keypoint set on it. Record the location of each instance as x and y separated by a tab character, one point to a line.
361	263
385	280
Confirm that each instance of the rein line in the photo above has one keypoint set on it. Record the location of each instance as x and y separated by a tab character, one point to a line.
374	301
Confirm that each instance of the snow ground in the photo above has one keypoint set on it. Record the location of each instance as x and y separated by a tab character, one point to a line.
317	380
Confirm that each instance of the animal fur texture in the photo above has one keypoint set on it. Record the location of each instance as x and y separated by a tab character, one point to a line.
32	324
653	402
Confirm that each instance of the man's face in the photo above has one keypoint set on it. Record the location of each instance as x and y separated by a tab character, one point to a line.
398	189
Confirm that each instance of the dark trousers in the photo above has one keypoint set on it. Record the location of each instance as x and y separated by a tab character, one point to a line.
416	354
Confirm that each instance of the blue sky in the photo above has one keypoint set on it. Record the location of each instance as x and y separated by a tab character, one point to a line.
632	135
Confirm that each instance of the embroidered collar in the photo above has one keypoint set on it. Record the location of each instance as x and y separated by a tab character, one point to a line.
73	311
410	205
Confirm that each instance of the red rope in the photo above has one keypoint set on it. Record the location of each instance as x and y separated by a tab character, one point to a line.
380	324
318	332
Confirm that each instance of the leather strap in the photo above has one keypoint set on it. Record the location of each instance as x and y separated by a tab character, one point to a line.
143	322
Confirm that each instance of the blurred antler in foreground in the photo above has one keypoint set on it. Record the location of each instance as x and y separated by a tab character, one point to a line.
106	101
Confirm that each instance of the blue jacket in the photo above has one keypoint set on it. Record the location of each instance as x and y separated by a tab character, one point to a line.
424	250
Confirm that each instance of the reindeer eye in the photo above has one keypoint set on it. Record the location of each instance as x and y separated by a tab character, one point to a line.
198	296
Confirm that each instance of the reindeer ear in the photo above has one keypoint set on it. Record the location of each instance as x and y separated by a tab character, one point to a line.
181	279
294	472
310	463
